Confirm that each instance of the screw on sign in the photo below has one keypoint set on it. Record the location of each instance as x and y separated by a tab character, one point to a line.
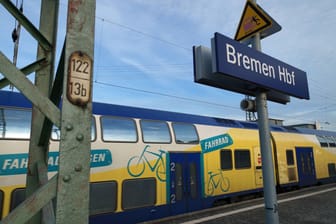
79	78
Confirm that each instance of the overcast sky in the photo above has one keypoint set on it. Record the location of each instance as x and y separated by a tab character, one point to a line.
143	53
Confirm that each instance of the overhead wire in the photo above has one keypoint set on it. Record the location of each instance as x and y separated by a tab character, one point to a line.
144	34
166	95
132	29
153	69
125	69
195	100
130	72
118	68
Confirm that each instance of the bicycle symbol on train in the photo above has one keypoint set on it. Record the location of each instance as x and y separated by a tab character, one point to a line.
136	165
217	180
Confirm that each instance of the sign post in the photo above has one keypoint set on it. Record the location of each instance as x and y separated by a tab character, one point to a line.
270	197
235	66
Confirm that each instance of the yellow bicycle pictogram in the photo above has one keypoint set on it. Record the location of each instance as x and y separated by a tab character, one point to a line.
217	180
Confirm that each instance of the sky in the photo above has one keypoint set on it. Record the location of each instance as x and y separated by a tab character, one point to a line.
143	53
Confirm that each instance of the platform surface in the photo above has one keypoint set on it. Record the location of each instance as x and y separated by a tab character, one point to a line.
313	205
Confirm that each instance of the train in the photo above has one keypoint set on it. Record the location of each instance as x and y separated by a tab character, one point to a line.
148	164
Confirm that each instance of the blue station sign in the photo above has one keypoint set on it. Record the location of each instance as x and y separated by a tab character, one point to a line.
251	69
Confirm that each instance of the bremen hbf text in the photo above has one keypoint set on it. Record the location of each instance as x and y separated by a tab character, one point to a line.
255	65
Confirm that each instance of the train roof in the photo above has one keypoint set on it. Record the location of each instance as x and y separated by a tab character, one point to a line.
315	131
15	99
153	114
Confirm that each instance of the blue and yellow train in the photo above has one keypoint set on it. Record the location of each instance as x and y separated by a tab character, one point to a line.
148	164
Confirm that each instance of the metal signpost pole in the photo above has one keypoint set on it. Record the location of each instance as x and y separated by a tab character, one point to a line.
270	198
236	67
75	145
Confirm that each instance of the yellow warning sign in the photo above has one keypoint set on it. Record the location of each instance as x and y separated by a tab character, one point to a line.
253	20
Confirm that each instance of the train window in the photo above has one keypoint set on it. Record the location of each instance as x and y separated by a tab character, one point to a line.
290	157
242	159
118	129
334	139
179	181
331	169
226	159
103	197
323	141
331	141
309	164
18	196
56	132
193	182
155	132
138	193
1	202
14	123
185	133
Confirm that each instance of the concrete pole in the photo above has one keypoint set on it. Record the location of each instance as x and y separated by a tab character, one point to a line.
270	197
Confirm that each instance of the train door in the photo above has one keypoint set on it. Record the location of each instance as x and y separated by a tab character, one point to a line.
305	165
258	167
185	182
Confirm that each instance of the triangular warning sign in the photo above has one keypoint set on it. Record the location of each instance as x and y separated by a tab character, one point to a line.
253	20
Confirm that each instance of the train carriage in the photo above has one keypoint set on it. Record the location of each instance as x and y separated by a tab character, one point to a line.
147	164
